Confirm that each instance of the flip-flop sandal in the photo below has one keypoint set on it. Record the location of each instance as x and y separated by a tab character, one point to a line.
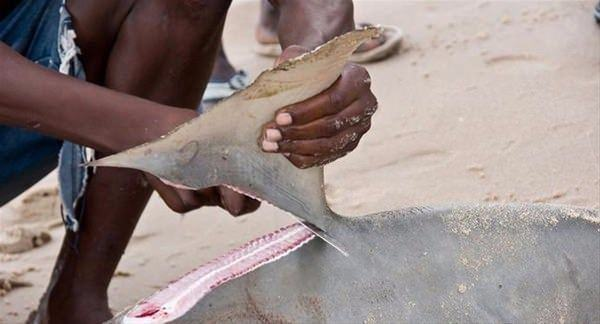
267	49
217	91
393	41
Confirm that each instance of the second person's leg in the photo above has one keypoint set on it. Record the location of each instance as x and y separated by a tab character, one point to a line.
164	52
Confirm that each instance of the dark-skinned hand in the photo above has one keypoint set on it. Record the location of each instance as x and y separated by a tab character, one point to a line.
186	200
314	132
325	127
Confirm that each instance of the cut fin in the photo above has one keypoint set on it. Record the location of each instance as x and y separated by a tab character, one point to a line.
220	146
325	237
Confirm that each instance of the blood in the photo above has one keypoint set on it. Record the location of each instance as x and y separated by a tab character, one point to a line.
148	312
219	271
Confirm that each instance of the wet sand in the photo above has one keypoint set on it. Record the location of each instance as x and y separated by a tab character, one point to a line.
487	102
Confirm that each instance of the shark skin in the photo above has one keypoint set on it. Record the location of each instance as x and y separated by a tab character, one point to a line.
220	147
471	264
499	263
525	263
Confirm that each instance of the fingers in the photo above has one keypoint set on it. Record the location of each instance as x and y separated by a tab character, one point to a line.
352	85
290	52
231	201
167	193
182	200
328	145
235	203
327	126
304	161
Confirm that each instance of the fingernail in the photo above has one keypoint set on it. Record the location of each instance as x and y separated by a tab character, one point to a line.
283	119
269	146
273	135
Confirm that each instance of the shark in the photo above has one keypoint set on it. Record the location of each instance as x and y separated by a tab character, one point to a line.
478	263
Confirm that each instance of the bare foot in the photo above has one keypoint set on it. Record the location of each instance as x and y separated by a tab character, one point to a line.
266	34
266	31
11	281
21	239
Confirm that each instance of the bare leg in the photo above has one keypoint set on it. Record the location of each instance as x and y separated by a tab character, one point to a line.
266	31
163	51
114	201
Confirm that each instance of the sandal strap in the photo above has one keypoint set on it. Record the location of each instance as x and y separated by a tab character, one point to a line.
216	91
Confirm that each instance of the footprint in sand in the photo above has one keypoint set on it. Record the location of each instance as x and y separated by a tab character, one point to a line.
26	226
478	169
12	281
422	159
517	63
19	239
121	273
555	196
142	237
40	207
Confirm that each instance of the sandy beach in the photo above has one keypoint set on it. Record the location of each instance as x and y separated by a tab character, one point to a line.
487	102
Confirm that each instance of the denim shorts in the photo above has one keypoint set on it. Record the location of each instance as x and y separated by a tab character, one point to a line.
41	31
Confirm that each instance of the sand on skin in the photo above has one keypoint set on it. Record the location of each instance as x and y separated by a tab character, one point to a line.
489	101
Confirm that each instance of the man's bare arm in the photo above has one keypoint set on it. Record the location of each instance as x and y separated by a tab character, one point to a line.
63	107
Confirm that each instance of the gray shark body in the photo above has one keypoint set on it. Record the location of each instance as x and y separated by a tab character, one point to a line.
518	263
492	264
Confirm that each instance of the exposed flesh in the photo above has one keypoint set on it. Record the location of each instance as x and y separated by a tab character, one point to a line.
181	295
489	264
516	263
